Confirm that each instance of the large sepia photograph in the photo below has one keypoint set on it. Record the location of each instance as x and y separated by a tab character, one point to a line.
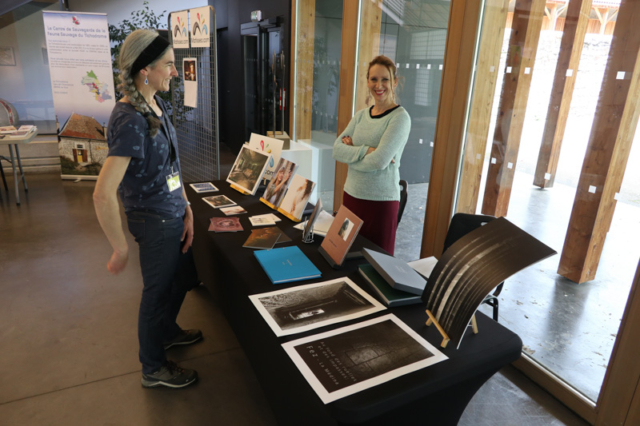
304	308
350	359
248	169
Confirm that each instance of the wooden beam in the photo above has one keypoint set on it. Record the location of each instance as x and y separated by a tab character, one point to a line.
523	46
348	68
621	381
575	28
370	24
304	68
292	71
452	109
484	89
608	149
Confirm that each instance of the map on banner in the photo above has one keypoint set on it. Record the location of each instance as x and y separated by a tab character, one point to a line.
98	89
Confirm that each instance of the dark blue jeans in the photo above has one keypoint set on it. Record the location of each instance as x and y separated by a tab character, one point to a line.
167	275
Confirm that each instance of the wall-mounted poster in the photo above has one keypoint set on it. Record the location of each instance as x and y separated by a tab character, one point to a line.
83	89
200	26
180	30
190	67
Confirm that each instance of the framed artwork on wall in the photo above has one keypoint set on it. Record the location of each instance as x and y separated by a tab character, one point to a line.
7	58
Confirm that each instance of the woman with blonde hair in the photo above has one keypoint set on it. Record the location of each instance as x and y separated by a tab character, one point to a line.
144	168
372	145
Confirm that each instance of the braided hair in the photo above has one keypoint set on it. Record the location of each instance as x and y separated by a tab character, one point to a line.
133	45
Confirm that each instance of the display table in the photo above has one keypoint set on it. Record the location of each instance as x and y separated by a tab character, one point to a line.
436	395
14	142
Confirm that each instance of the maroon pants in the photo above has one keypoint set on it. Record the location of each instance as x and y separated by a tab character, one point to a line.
380	220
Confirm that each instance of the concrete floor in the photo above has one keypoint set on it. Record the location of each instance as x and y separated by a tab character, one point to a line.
69	352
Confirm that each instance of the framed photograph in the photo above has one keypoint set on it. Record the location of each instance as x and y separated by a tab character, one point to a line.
296	198
248	169
7	58
311	306
342	362
340	237
217	201
203	187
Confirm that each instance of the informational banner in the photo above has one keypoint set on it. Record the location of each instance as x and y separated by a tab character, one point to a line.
83	89
200	27
180	30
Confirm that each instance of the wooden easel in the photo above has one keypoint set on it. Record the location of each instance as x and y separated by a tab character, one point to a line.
288	215
445	337
242	191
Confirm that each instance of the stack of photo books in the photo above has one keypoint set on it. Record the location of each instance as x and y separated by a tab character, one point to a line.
392	279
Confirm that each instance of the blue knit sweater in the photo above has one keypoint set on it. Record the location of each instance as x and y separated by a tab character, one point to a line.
374	176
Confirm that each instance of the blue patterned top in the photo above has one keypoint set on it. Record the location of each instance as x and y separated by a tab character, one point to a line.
144	186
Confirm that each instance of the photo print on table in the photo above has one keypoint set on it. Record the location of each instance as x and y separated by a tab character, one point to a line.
217	201
203	187
311	306
296	197
233	210
248	169
225	224
261	221
282	176
350	359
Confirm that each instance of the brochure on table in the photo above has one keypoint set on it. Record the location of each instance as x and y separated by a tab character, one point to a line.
303	308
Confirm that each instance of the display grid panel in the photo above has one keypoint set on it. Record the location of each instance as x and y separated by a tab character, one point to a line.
197	128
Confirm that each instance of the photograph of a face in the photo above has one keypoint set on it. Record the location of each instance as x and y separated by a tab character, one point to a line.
297	196
282	175
190	73
304	308
345	229
217	201
248	169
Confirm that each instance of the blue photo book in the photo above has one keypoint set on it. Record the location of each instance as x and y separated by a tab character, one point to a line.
287	264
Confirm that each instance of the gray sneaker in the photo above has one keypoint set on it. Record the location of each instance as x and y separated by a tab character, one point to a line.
184	337
170	375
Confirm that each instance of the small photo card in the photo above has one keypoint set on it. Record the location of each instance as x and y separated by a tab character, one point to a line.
261	221
203	187
217	201
230	211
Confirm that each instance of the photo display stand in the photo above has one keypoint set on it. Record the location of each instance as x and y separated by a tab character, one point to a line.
471	268
445	337
240	190
288	215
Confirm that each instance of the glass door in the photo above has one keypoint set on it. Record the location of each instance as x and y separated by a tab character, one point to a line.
550	133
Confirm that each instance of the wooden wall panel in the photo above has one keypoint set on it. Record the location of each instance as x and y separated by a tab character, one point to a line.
575	30
452	110
484	89
345	94
521	56
623	373
608	149
304	55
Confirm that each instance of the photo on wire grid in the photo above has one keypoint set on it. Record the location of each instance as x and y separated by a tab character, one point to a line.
190	73
298	309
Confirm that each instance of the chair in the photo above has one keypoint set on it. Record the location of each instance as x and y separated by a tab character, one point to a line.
461	224
403	198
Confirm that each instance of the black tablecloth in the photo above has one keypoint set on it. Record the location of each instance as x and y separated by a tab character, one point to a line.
436	395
